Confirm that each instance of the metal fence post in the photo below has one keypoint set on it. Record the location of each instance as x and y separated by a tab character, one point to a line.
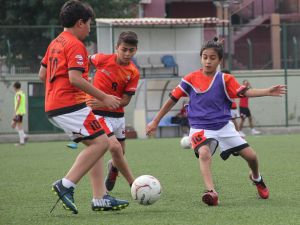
295	47
285	49
250	61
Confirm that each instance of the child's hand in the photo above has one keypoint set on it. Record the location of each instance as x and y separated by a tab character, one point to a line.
95	103
277	90
151	128
112	102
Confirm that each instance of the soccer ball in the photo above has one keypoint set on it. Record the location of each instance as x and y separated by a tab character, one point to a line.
185	142
146	189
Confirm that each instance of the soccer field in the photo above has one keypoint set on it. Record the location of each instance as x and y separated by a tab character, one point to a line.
26	175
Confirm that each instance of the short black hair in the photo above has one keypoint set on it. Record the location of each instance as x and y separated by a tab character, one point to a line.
17	85
225	71
214	44
74	10
128	37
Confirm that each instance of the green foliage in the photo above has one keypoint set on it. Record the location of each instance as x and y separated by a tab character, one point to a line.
27	173
25	25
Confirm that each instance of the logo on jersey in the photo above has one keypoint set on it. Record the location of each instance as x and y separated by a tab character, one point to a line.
79	59
105	72
78	134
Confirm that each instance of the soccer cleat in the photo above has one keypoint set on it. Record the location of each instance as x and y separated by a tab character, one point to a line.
262	189
255	132
109	203
65	195
19	144
72	145
112	173
210	198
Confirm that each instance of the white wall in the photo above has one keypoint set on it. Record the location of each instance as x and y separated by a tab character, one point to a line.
181	42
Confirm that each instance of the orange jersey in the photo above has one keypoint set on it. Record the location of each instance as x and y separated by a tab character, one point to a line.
202	82
114	79
64	53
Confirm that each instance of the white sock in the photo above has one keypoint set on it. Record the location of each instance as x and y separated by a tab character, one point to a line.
22	136
67	183
257	179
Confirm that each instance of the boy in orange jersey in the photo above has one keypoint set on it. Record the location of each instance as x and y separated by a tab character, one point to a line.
116	75
64	71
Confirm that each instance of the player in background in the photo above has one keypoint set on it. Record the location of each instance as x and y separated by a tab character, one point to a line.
184	122
210	97
246	113
117	75
20	111
64	71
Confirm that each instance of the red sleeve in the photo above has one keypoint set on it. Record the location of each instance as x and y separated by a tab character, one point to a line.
96	59
45	60
234	89
132	84
77	57
177	93
232	86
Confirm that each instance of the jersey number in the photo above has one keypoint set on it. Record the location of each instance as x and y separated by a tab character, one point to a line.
53	68
95	125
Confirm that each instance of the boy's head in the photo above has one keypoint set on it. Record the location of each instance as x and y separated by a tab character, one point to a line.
126	47
17	85
246	83
128	37
74	10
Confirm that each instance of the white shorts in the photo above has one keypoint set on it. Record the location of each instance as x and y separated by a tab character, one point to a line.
113	126
228	138
79	125
235	113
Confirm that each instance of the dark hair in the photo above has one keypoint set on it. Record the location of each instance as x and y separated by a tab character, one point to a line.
128	37
214	44
74	10
225	71
17	85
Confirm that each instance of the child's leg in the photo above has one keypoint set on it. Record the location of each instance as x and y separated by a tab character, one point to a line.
97	179
205	159
250	122
87	158
250	156
21	133
241	123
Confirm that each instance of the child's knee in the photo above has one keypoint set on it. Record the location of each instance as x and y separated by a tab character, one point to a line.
115	148
204	153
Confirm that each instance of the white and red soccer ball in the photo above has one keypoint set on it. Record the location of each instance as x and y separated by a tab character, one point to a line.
146	190
185	142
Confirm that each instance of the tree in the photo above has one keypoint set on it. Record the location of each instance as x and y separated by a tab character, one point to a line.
28	26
